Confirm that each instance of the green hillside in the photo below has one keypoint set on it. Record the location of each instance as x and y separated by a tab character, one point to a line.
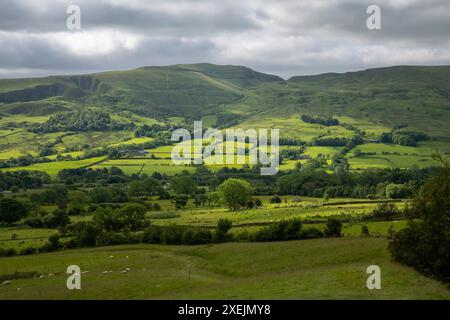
417	96
369	102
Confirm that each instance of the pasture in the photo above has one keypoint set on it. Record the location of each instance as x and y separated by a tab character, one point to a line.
306	269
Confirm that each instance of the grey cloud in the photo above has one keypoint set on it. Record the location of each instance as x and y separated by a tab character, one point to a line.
285	37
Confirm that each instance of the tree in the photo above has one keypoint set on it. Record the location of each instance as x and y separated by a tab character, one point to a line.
275	199
385	210
108	219
85	233
397	191
78	200
133	216
101	195
235	192
150	187
213	198
425	243
200	199
135	189
12	210
180	201
61	194
333	228
59	218
223	226
183	185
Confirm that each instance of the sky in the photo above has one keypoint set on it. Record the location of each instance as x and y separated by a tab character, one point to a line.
282	37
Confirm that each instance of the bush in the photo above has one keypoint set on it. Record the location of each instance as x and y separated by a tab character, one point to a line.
279	231
311	233
28	251
152	234
196	236
85	233
424	244
108	238
172	234
34	221
12	210
59	218
333	228
365	231
221	234
9	252
258	202
53	244
385	211
275	199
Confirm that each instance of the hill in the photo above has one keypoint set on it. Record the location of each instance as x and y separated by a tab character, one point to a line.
370	102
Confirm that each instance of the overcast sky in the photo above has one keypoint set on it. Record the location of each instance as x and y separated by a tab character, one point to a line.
283	37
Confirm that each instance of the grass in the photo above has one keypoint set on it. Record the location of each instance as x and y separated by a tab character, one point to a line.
20	237
307	269
148	166
52	168
132	141
306	209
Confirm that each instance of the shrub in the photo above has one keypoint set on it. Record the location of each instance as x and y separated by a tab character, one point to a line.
258	202
279	231
34	221
196	236
53	244
424	244
275	199
311	233
385	211
108	238
152	234
172	234
85	233
59	218
11	210
28	250
221	234
333	228
9	252
365	231
250	204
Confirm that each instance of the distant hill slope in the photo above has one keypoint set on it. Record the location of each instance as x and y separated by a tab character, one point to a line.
401	95
416	96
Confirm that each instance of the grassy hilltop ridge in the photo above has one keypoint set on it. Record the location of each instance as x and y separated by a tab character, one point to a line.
418	96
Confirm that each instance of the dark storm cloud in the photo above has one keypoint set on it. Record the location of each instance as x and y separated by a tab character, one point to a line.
284	37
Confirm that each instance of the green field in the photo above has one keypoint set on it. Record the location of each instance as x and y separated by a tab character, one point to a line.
308	269
52	168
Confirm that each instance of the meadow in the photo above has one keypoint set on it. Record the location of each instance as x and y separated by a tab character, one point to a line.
313	212
306	269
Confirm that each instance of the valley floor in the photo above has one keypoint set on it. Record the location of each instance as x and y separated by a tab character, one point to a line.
306	269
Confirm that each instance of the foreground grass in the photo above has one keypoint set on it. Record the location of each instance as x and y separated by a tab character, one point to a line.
308	269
